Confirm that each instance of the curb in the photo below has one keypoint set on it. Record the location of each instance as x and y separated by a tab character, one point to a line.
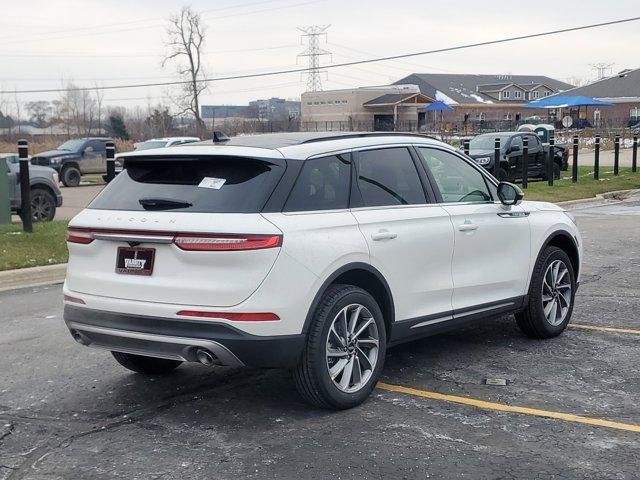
601	197
32	277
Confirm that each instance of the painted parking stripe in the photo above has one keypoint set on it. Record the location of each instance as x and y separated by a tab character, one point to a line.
596	328
567	417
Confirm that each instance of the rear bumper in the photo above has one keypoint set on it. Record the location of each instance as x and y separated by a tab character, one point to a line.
59	199
179	339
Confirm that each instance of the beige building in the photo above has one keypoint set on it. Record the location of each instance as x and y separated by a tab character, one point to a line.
384	108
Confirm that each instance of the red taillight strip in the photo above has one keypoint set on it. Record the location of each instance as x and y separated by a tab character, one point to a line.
234	317
68	298
226	242
198	242
79	235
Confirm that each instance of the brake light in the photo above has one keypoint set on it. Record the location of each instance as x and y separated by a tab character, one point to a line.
200	242
234	317
226	242
79	235
68	298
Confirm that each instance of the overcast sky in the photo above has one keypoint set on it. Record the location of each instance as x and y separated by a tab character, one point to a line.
46	43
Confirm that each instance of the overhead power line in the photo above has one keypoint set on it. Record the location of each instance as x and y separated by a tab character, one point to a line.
337	65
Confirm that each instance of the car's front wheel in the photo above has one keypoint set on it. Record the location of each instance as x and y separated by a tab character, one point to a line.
145	365
70	176
43	205
551	296
345	349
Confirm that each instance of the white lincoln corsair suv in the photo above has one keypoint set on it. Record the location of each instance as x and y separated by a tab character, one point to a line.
310	251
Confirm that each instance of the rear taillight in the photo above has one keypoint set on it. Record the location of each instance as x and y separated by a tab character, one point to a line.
234	317
69	298
226	242
79	235
198	242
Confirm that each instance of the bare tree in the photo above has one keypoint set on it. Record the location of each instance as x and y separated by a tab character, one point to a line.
99	97
186	35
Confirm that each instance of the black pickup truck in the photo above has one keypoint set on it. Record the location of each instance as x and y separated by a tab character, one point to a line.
482	151
75	158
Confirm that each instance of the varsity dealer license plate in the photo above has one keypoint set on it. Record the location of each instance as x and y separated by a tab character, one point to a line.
135	261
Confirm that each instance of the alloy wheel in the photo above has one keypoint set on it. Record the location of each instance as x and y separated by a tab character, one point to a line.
352	348
40	208
556	292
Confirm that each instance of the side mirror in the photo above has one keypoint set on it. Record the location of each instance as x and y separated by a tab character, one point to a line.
509	194
87	150
514	148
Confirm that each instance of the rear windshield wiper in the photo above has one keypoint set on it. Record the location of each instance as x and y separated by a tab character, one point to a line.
163	204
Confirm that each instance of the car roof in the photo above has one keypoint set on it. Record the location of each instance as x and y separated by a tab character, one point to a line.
168	139
293	146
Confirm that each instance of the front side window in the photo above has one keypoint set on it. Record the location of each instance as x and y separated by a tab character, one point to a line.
389	177
323	184
456	179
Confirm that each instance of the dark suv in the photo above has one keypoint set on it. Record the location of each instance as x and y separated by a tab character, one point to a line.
482	151
75	158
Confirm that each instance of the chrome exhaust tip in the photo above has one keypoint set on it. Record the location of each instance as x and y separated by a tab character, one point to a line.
205	357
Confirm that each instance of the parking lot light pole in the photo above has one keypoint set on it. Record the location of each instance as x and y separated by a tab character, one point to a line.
596	160
466	146
552	150
25	187
525	162
616	156
574	169
496	158
634	161
111	163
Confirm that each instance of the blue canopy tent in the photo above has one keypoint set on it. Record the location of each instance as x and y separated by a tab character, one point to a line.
566	101
437	106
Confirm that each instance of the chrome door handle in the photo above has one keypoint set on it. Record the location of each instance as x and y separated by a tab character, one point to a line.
468	227
383	235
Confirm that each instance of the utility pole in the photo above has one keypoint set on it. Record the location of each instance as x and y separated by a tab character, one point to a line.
314	52
602	69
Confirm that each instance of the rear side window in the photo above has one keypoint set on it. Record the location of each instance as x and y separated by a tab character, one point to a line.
389	177
210	185
323	184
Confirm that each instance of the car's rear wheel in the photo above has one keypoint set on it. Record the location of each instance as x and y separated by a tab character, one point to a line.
70	176
345	349
145	365
551	296
43	205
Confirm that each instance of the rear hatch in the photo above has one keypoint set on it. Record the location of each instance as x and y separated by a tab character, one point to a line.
182	230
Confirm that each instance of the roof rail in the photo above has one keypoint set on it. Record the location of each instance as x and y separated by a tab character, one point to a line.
366	134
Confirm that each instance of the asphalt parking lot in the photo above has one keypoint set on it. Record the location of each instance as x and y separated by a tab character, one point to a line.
71	412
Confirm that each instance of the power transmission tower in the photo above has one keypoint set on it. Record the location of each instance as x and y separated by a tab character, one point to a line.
602	69
314	52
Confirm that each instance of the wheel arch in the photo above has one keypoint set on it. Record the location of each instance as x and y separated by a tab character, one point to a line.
360	275
70	163
43	186
565	242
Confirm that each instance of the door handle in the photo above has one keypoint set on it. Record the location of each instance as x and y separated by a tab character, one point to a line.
468	227
383	235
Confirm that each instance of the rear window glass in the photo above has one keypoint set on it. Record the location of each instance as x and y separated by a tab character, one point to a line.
215	185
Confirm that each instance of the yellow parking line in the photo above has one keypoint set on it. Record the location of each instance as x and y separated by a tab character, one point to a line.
567	417
604	329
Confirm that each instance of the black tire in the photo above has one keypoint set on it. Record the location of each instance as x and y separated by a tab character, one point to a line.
145	365
532	320
43	205
311	376
70	176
